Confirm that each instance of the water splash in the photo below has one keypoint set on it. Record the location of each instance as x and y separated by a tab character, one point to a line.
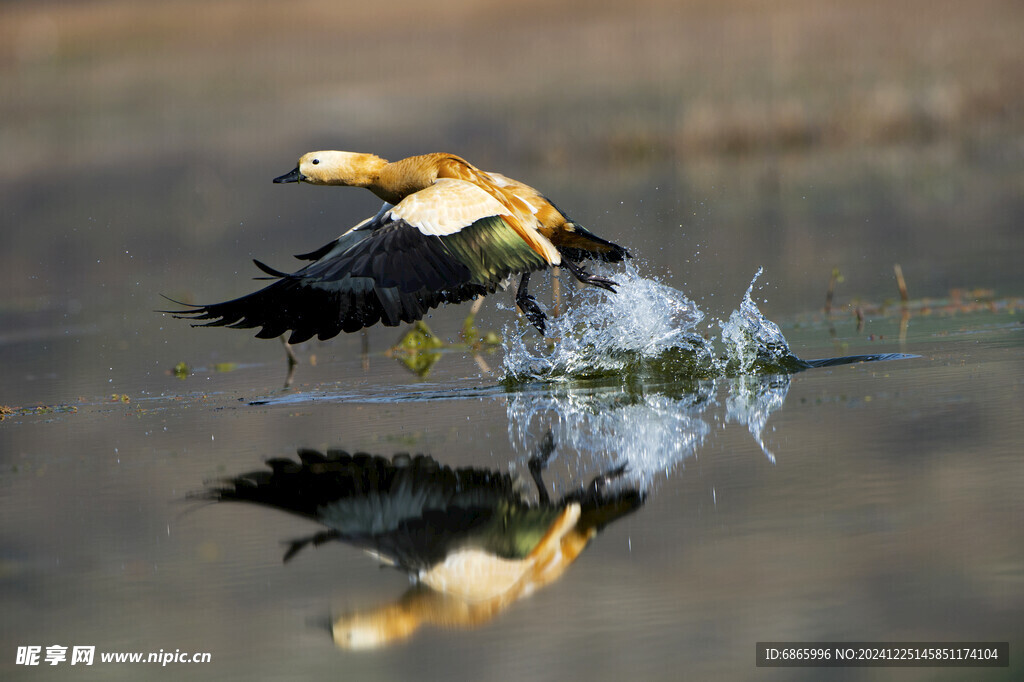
753	343
601	334
752	399
647	329
643	434
646	436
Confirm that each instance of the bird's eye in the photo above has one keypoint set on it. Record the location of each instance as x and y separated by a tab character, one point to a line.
316	161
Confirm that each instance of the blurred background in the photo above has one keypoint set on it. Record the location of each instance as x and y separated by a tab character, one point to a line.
711	137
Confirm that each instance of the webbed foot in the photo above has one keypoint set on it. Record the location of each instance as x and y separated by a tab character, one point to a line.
588	278
528	304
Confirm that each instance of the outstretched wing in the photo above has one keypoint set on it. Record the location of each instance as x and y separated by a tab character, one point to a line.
445	244
411	511
350	238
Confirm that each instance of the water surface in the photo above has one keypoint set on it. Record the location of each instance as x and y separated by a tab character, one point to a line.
876	500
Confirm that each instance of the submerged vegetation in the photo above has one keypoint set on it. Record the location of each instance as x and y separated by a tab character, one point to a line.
419	348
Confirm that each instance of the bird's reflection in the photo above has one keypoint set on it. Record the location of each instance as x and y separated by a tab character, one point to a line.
474	540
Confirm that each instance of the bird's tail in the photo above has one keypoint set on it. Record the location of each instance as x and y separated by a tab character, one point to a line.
581	243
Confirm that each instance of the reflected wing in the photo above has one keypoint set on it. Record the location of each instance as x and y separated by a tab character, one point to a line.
445	244
410	511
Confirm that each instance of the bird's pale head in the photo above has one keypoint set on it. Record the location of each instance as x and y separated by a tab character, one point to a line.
373	629
351	169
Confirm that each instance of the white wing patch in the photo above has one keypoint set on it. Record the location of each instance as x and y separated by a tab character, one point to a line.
475	575
446	207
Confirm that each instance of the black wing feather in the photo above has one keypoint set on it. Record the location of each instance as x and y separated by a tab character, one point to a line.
410	509
387	271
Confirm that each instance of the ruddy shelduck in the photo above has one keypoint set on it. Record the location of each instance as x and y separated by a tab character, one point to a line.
471	539
447	232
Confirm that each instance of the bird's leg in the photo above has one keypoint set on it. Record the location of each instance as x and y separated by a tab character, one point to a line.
292	361
528	304
587	278
289	351
364	351
601	480
539	462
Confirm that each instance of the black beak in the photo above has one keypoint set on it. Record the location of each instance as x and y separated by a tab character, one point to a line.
293	176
